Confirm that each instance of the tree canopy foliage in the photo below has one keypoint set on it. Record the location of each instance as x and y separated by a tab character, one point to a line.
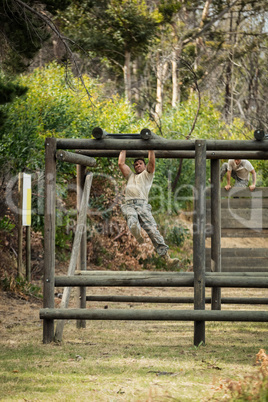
50	108
142	62
139	49
225	42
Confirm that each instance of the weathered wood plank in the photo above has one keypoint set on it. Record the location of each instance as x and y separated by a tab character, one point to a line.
173	300
199	224
174	154
72	157
241	269
260	233
240	252
259	192
215	258
158	315
153	274
49	235
236	203
80	228
178	281
161	144
243	218
245	262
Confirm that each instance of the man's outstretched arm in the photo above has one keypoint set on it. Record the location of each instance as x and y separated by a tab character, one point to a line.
125	169
151	162
253	185
228	175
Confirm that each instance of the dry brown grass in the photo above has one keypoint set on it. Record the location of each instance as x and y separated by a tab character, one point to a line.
128	361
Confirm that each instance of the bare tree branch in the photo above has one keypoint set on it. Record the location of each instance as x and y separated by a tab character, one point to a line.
210	23
48	21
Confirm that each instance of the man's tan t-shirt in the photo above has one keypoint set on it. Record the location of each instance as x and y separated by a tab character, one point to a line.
242	170
138	185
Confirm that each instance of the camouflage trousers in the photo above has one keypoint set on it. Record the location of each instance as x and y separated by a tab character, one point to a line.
238	182
140	212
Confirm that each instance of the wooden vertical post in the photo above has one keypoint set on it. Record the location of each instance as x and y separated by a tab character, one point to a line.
20	227
49	235
216	226
199	226
28	253
82	258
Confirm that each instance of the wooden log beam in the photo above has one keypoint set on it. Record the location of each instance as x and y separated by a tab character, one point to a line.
82	257
258	232
80	229
128	282
72	157
168	281
153	274
259	155
154	315
172	299
161	144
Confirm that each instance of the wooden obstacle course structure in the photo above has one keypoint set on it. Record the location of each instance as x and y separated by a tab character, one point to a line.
244	214
200	150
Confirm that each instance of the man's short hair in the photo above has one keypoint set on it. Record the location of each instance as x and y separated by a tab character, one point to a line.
139	159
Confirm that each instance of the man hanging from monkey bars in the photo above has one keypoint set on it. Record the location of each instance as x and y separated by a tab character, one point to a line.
136	209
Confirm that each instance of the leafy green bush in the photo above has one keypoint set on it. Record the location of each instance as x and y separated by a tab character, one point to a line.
20	285
177	235
51	109
6	224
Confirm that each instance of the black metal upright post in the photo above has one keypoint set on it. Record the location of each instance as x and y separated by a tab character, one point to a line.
199	226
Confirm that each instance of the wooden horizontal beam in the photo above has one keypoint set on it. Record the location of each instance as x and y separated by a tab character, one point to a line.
243	233
259	155
250	252
154	315
233	203
246	262
164	281
158	274
160	144
242	219
237	193
172	299
72	157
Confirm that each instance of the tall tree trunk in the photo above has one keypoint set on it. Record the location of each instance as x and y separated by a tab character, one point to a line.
176	90
127	76
174	79
198	40
136	87
228	105
161	68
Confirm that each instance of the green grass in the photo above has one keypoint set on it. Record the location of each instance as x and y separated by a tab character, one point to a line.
127	361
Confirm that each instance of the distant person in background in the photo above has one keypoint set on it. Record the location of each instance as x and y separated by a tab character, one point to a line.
239	170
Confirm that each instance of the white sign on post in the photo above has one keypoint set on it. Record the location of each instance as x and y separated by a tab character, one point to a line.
26	200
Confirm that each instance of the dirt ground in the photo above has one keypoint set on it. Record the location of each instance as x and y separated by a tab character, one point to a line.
17	309
241	243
